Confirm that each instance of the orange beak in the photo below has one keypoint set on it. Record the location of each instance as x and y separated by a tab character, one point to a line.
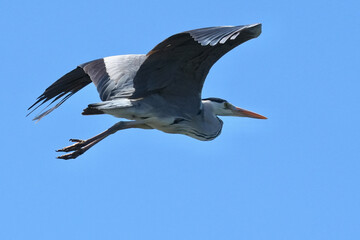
245	113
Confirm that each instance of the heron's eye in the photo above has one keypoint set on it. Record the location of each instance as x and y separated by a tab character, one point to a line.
226	105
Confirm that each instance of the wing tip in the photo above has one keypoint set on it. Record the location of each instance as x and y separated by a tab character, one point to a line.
60	91
212	36
255	29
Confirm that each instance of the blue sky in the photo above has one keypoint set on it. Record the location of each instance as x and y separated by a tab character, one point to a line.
293	176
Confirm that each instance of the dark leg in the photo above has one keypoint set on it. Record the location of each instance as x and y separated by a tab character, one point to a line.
82	146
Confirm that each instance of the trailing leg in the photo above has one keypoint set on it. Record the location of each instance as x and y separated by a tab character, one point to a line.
82	146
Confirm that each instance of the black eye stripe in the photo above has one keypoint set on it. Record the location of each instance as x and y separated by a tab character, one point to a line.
218	100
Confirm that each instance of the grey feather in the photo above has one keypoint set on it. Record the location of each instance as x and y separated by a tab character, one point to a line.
113	76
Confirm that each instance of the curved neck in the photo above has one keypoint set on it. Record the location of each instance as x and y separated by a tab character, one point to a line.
207	123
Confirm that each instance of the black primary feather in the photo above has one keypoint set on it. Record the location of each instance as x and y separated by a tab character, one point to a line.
61	90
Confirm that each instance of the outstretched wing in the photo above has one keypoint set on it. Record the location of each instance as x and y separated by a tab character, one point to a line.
113	77
177	67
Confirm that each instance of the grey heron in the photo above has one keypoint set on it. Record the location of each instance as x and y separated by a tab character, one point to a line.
158	90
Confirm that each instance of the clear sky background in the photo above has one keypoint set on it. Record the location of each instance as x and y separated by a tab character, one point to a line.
293	176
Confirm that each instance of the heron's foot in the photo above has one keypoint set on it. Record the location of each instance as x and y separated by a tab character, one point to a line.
72	155
81	146
78	148
78	143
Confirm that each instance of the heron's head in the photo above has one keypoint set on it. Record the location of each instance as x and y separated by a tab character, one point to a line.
222	107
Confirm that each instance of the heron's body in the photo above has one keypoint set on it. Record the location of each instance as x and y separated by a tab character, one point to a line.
160	90
155	112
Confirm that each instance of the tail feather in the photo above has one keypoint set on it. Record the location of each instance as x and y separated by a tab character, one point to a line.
92	110
106	106
61	90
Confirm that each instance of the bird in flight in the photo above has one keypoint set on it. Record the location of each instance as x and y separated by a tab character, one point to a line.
158	90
